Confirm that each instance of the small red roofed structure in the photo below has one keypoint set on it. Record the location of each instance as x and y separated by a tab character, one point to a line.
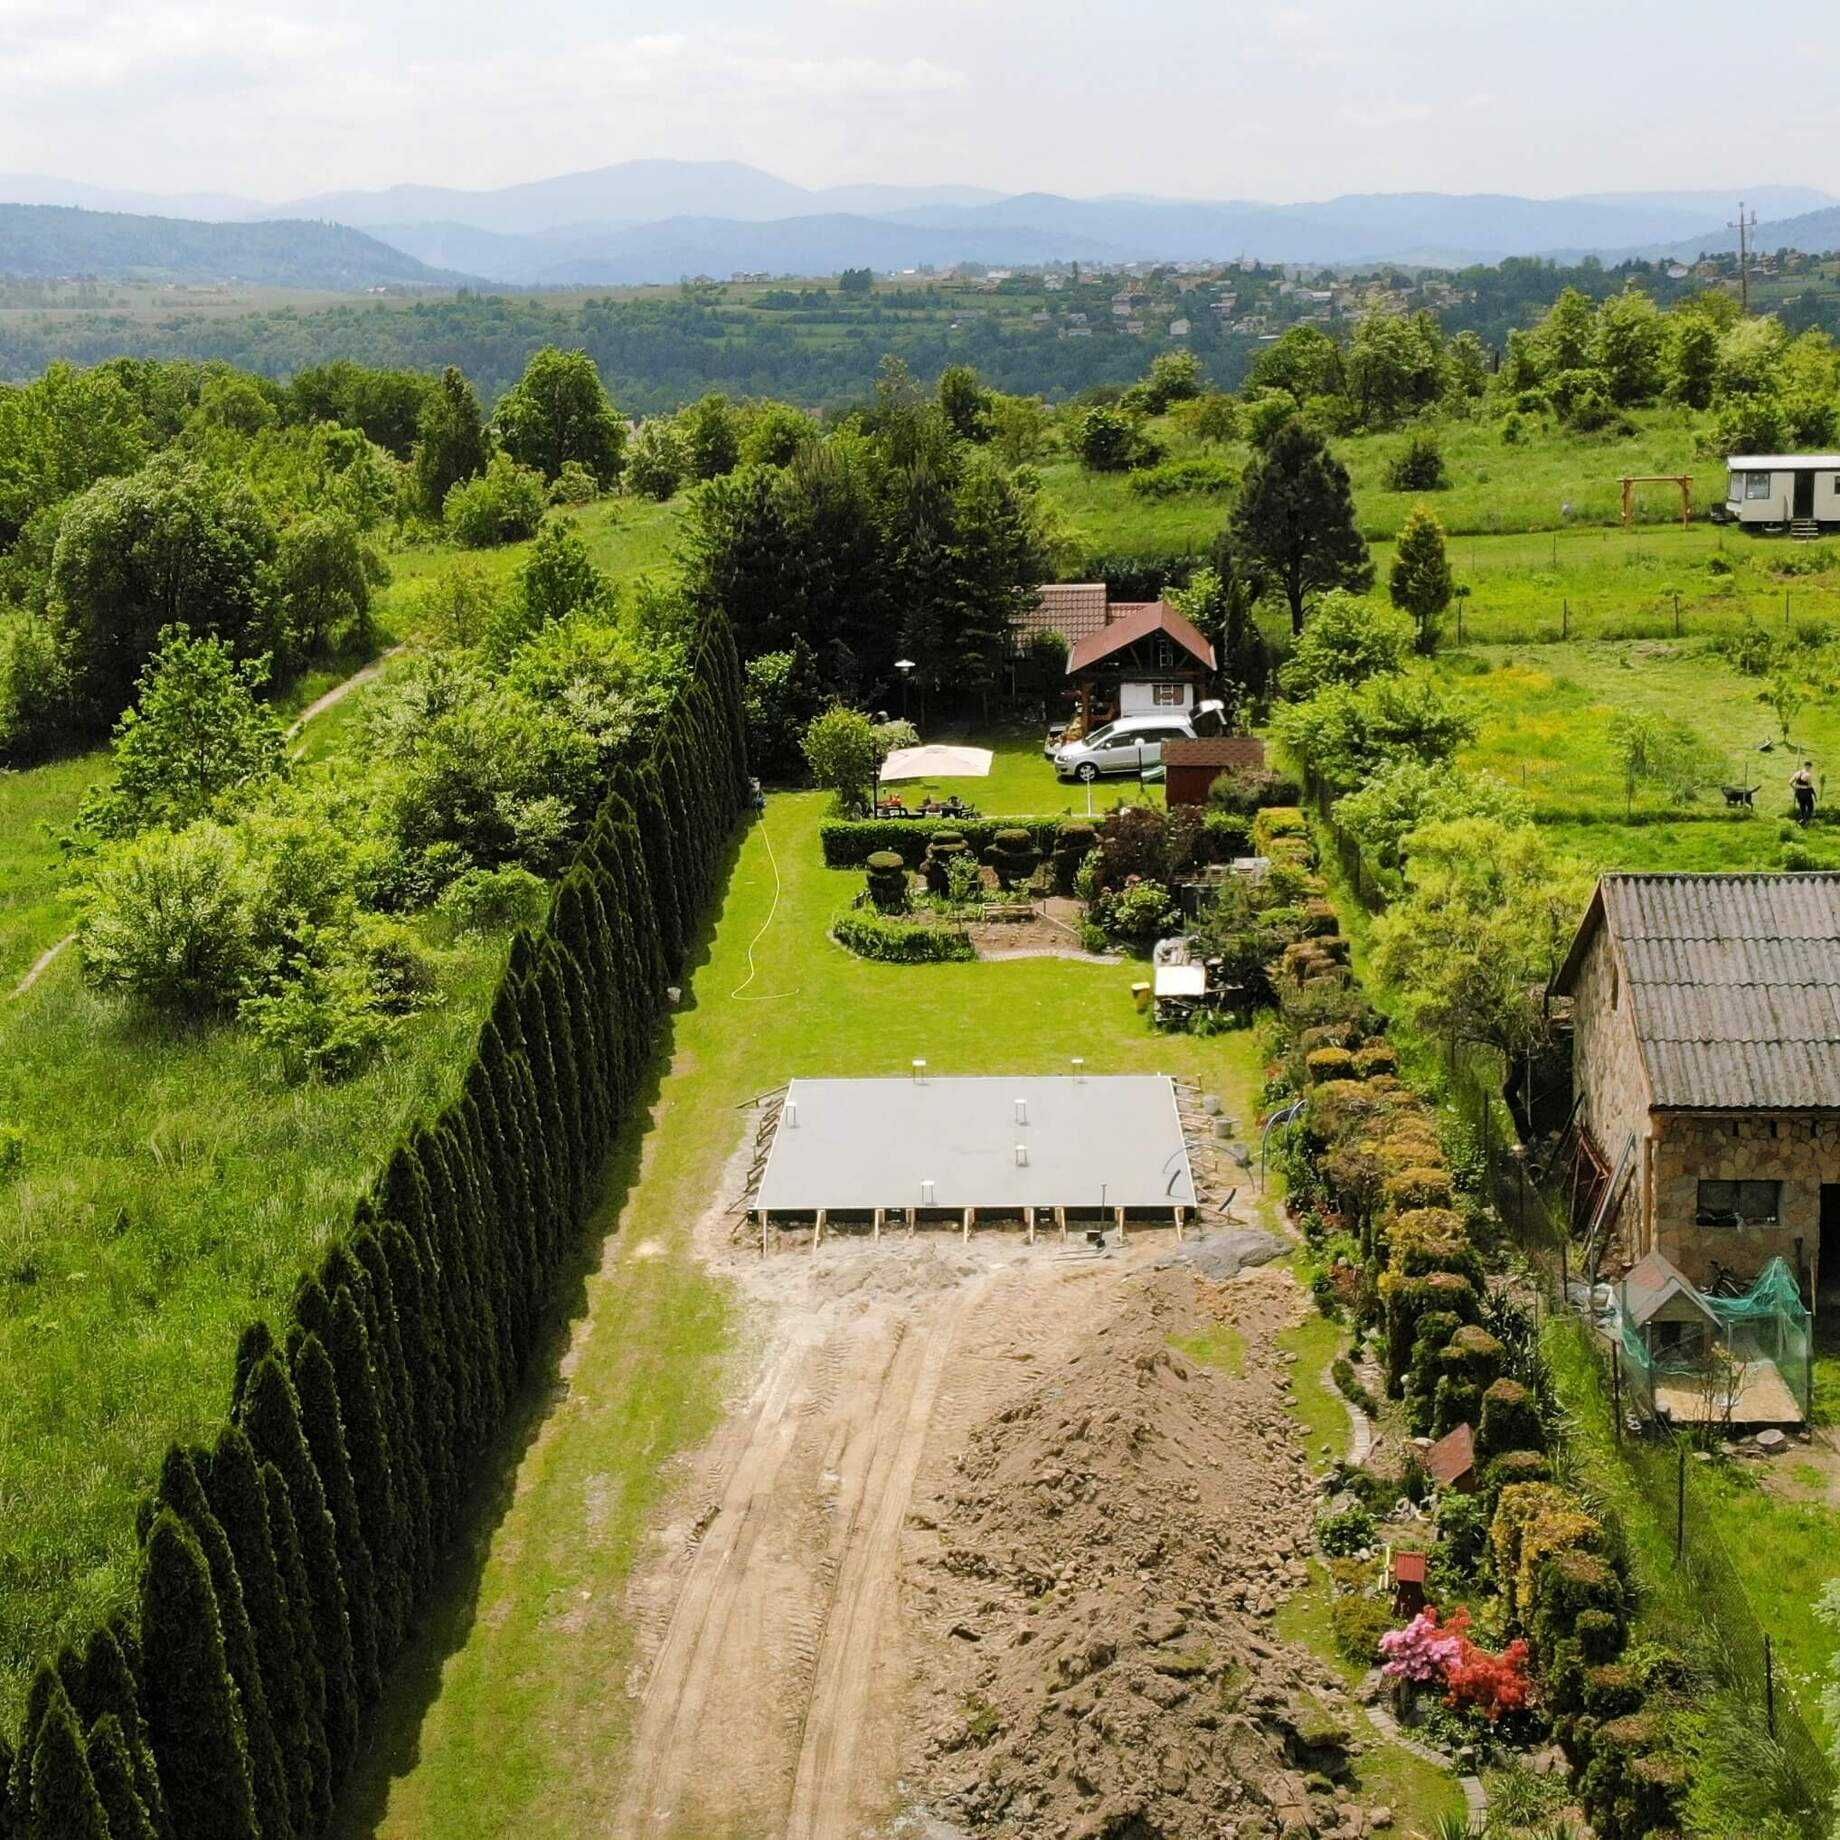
1408	1584
1451	1461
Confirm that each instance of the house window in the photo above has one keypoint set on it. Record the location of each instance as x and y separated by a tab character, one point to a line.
1757	485
1168	696
1165	655
1730	1204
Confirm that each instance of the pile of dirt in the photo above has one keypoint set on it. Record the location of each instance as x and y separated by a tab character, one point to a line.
1098	1579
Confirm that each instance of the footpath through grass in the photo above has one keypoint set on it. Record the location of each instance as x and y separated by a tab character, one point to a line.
517	1720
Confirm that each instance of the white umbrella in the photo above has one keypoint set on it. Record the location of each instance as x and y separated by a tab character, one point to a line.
937	763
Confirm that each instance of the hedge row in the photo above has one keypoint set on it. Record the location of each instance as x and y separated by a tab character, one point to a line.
899	942
284	1566
1376	1160
850	842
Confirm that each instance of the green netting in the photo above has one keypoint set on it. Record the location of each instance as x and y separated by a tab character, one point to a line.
1768	1323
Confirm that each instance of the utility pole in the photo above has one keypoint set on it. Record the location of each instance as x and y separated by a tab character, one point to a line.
1744	226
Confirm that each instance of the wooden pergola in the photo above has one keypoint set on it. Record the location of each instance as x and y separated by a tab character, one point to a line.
1632	480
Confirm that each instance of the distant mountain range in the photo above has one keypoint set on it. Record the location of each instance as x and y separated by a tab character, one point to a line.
659	220
45	242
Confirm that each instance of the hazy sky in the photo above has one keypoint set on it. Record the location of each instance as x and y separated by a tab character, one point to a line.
1212	98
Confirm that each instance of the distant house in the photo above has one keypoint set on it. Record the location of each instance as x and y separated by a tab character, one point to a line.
1706	1075
1191	767
1178	328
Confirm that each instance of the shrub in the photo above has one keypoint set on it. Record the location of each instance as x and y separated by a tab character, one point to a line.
1376	1058
1341	1536
1407	1300
168	921
1012	854
12	1148
944	850
1510	1420
493	900
1514	1466
1328	1064
1275	821
1356	1624
326	1023
1138	915
1421	1187
888	882
1418	466
1534	1520
848	843
900	942
574	485
1424	1240
1246	791
1194	478
501	505
1073	842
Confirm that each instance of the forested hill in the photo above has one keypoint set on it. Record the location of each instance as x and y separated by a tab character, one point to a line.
46	241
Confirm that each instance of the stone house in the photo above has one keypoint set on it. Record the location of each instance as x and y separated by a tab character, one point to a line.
1706	1075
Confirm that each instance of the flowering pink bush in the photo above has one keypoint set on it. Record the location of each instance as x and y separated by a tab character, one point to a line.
1431	1653
1425	1650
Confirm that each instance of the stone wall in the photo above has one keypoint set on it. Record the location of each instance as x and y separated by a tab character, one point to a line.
1607	1076
1801	1153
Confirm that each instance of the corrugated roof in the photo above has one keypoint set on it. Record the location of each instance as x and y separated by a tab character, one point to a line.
1783	463
1131	622
1733	984
1074	609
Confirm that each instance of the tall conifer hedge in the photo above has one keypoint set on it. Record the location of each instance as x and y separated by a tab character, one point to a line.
283	1570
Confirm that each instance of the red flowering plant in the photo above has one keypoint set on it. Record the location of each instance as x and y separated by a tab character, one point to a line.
1438	1652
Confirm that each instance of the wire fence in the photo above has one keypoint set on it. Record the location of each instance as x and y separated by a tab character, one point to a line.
1658	1461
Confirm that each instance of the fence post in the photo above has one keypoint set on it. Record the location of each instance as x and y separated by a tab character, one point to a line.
1565	619
1676	613
1769	1683
1680	1500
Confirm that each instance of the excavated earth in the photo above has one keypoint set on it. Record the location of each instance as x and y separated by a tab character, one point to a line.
1095	1580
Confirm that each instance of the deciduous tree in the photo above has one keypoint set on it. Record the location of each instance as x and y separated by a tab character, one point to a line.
1296	517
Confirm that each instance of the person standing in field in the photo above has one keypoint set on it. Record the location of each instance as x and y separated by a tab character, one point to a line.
1801	783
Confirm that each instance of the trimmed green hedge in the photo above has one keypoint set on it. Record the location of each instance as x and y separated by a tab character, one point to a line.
850	842
286	1561
899	942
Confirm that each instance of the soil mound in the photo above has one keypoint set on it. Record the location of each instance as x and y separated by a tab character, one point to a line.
1100	1569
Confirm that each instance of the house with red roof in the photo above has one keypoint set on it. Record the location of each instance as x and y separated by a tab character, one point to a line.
1124	658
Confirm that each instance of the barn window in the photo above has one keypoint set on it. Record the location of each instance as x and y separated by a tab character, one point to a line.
1730	1204
1168	696
1757	485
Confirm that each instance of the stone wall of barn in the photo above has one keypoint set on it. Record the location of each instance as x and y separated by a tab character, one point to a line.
1800	1153
1608	1078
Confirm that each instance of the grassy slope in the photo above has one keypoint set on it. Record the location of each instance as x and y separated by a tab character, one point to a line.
170	1189
523	1731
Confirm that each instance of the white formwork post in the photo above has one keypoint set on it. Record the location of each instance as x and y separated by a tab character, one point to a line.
1028	1220
1179	1213
817	1231
910	1223
969	1216
875	1231
1060	1220
762	1212
1118	1221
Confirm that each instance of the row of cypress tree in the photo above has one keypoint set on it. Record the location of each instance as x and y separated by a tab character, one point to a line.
283	1568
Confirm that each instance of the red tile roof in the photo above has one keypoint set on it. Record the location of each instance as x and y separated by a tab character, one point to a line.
1408	1568
1452	1457
1215	751
1131	622
1074	609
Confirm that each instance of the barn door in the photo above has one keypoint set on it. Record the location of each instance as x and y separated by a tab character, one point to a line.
1804	495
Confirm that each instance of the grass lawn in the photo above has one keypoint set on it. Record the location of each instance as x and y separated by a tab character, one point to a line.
1320	1412
1022	782
1546	714
515	1727
37	804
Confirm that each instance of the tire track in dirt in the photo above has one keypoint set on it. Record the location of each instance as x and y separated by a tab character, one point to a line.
825	1787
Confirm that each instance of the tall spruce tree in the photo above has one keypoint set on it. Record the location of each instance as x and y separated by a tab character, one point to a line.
271	1418
194	1722
233	1485
452	1268
418	1327
65	1805
298	1595
111	1765
317	1390
182	1490
45	1685
8	1828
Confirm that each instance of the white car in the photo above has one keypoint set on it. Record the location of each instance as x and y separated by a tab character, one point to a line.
1132	744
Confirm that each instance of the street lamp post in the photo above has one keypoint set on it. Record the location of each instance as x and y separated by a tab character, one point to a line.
906	667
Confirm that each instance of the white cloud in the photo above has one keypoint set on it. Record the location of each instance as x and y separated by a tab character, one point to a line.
1382	113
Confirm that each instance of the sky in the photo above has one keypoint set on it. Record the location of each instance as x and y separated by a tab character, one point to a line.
1295	99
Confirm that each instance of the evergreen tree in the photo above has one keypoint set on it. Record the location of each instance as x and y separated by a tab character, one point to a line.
516	1229
45	1685
110	1690
405	1423
271	1418
298	1597
1296	516
233	1485
8	1827
65	1805
317	1389
470	1132
256	1341
1421	582
454	1279
659	845
111	1765
182	1491
418	1326
451	444
194	1722
367	1440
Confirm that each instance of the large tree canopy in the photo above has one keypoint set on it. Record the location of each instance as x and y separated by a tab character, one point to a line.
558	412
1296	516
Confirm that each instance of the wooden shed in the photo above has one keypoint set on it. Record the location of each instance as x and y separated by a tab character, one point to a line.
1191	767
